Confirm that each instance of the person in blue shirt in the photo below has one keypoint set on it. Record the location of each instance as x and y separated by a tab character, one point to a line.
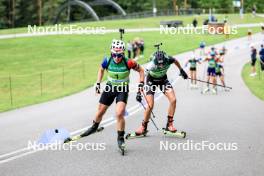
261	55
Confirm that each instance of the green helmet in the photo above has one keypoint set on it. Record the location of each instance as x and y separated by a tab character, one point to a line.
159	58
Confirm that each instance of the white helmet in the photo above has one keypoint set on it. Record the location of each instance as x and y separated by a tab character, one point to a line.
117	46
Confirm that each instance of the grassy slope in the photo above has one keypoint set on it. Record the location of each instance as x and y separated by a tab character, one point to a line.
255	84
78	56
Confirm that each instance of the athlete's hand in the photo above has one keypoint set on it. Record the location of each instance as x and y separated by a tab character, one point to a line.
97	88
183	74
140	86
139	97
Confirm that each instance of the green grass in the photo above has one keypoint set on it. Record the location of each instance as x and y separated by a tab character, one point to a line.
49	67
255	84
151	22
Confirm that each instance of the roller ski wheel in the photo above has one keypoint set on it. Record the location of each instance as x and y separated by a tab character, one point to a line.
214	91
121	145
77	137
134	135
122	148
179	134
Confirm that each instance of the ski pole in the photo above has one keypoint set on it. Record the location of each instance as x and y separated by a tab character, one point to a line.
210	83
150	117
121	31
158	46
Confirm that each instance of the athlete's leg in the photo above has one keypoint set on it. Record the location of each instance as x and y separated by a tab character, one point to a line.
191	75
194	77
149	107
98	118
120	111
120	125
170	94
222	80
214	81
100	112
208	77
105	101
149	97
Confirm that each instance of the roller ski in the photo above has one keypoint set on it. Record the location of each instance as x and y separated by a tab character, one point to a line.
171	131
176	133
139	133
121	142
206	90
135	135
93	129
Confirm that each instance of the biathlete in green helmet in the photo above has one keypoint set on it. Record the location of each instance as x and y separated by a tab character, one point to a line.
211	71
156	76
193	70
117	87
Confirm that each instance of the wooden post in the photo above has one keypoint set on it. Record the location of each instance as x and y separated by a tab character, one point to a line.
39	12
41	84
63	77
185	4
10	90
83	69
13	13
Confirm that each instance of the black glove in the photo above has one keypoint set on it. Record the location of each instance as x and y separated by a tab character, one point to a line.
140	86
183	74
139	97
97	88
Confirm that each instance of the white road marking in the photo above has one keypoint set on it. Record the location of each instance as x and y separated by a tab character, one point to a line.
134	109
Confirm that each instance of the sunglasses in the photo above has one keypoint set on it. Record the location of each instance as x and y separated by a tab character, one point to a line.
114	55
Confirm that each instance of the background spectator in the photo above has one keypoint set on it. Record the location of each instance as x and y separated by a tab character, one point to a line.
195	22
253	60
129	49
261	55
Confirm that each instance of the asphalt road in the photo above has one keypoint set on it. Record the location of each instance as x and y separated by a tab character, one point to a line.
234	117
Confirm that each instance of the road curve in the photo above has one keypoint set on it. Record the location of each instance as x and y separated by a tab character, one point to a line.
229	117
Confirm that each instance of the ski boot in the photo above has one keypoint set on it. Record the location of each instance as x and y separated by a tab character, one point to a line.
90	130
93	129
121	142
214	91
140	132
191	86
195	86
170	130
205	90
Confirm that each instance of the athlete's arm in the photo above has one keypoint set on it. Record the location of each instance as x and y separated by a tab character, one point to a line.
206	59
101	70
100	74
177	63
135	66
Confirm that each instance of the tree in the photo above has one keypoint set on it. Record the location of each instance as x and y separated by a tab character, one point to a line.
39	7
